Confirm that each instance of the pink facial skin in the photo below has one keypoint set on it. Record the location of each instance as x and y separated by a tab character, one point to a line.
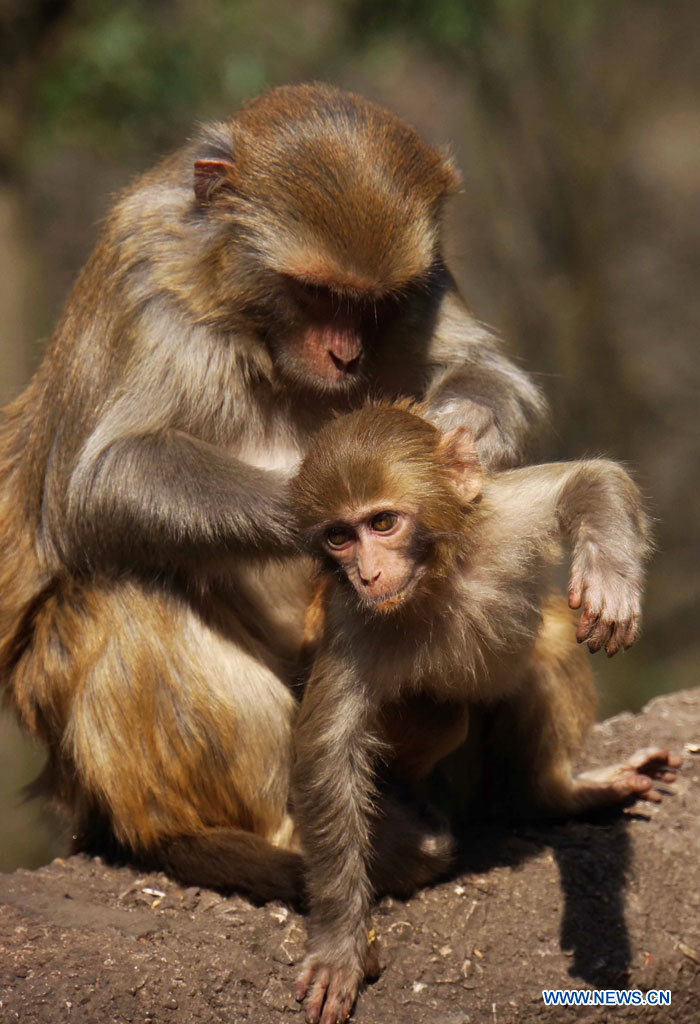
374	550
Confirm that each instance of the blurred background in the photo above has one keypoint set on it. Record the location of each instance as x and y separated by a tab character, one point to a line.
577	236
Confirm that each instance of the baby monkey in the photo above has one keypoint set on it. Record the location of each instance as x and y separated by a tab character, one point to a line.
438	626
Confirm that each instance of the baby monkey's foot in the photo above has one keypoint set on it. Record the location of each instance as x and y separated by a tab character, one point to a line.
329	990
633	778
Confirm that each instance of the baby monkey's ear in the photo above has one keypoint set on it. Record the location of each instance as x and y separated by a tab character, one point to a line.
459	455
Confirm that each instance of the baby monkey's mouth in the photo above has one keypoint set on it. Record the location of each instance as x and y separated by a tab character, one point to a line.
393	599
384	602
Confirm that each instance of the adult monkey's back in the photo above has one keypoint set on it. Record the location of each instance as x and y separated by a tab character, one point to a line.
281	266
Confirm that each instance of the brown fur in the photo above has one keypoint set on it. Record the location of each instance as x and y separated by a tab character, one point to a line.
471	683
282	265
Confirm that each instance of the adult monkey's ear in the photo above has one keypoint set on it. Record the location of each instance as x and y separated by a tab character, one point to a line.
458	452
213	171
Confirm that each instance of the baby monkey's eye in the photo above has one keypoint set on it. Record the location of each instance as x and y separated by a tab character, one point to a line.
383	522
337	536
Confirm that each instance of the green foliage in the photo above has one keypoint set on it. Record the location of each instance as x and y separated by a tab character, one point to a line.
123	73
444	23
456	27
126	72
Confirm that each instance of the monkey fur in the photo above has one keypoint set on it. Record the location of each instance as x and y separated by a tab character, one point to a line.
280	266
445	661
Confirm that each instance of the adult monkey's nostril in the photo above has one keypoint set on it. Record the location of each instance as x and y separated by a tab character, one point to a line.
346	365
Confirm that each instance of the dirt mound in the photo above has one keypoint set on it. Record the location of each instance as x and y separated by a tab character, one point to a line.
611	903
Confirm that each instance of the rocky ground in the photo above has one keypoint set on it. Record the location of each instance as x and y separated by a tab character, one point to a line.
607	904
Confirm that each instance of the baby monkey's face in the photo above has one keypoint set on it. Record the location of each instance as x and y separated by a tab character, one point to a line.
375	549
384	494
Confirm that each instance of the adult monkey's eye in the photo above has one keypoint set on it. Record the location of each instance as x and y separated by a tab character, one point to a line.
337	536
383	522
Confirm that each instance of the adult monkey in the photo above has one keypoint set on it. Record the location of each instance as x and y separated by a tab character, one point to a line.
282	265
